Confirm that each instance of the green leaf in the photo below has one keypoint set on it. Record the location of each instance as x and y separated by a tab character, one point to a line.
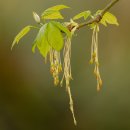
84	14
103	21
49	36
62	28
41	41
108	18
21	34
34	46
58	7
92	26
55	37
53	12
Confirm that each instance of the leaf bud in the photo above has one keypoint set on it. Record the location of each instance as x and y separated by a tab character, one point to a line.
36	17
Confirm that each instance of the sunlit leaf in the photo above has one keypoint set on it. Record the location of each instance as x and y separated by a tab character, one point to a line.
53	12
84	14
108	18
62	28
92	26
41	41
103	21
21	34
55	37
58	7
34	46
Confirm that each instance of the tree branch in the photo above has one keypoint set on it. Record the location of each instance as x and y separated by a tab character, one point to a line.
98	17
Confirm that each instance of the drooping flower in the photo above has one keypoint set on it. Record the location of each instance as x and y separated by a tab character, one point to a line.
94	55
56	66
67	76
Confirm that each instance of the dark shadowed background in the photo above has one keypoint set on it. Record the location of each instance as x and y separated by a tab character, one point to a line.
28	99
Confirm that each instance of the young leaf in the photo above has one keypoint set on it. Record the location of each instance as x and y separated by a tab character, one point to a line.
49	36
55	37
41	41
84	14
34	46
22	33
103	21
58	7
36	17
53	12
92	26
62	28
108	18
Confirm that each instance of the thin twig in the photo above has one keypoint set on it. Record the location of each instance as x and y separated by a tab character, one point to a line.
97	18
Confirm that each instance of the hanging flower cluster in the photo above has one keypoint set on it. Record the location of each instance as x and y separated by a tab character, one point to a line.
94	55
67	72
55	65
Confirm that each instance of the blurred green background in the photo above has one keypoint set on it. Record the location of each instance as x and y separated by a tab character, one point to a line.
28	99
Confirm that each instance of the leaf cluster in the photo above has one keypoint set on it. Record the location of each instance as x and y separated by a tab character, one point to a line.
51	34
